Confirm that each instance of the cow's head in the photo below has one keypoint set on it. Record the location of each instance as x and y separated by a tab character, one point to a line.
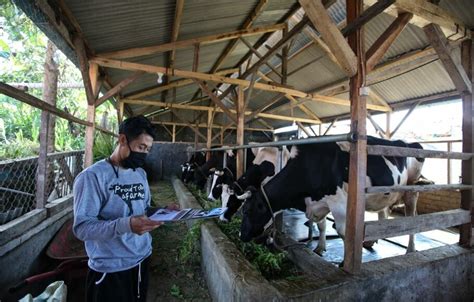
255	215
216	186
237	191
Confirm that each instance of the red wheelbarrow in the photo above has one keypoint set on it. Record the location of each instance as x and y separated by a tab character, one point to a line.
66	248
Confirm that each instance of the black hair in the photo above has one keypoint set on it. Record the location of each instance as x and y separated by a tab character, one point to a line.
133	127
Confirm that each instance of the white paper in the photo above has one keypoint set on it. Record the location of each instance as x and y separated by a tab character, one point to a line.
167	215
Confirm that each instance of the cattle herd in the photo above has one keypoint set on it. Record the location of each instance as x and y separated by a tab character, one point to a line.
312	178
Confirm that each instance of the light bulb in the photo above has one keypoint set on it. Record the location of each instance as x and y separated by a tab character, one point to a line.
160	78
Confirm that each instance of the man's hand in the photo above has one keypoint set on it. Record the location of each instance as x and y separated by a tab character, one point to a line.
173	206
142	224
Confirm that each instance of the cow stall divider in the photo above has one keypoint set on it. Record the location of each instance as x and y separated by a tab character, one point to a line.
374	230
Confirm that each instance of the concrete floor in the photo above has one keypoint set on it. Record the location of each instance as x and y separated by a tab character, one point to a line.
293	225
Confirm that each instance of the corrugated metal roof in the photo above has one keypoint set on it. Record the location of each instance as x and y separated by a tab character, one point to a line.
115	25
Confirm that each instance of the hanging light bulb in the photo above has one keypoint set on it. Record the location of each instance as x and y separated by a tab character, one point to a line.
160	78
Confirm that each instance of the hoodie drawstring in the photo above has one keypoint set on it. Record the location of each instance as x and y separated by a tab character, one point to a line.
101	279
139	279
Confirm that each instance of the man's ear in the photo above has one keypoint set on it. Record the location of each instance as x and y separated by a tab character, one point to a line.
267	168
122	140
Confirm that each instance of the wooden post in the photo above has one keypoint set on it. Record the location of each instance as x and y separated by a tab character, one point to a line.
41	173
222	135
467	145
173	137
388	130
354	233
240	130
210	116
449	148
88	153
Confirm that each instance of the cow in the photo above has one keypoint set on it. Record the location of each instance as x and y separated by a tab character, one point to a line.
226	175
315	181
215	162
266	159
196	159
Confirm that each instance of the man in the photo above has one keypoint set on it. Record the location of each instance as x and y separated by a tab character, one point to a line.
111	199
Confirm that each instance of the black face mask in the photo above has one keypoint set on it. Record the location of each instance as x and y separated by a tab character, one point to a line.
134	159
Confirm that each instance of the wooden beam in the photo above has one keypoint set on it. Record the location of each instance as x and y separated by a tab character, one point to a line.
330	126
94	77
216	38
467	168
455	70
416	188
386	39
216	100
428	12
173	134
207	108
174	84
196	57
210	121
367	15
301	126
400	226
375	96
216	78
385	71
178	13
255	13
418	153
354	231
240	131
167	130
89	137
117	88
284	58
413	107
255	52
84	68
376	126
331	35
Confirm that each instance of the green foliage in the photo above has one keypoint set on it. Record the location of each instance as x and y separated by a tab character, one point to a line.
271	264
189	247
175	291
103	146
19	147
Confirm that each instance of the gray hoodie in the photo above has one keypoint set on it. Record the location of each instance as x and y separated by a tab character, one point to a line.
103	205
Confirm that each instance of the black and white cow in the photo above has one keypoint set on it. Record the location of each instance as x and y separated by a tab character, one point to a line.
215	162
187	169
225	176
315	181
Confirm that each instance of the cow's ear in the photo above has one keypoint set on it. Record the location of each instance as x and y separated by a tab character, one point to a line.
267	168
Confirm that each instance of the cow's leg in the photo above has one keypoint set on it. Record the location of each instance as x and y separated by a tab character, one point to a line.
410	199
317	211
382	215
321	247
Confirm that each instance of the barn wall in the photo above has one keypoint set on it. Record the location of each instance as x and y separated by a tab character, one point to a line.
430	202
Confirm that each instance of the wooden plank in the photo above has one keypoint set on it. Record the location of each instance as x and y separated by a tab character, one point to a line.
386	39
417	188
174	133
240	131
331	35
216	100
210	120
117	88
301	126
367	15
216	38
217	78
84	68
387	228
410	111
171	85
467	168
418	153
42	184
354	235
254	14
455	70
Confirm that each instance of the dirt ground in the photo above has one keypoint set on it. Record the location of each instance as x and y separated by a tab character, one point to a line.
170	280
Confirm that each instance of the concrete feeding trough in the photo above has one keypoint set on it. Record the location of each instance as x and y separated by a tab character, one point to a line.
441	274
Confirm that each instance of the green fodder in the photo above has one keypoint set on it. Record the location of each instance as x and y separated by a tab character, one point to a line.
271	264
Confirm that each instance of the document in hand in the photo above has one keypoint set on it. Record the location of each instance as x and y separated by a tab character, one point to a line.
167	215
